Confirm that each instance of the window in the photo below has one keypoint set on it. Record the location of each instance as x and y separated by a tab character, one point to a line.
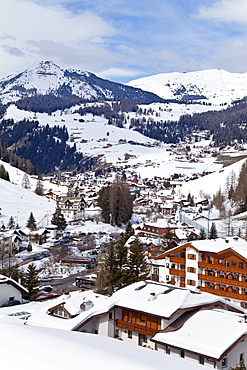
191	269
241	357
220	261
110	316
167	265
156	271
168	350
234	263
60	313
209	259
182	353
191	282
227	263
201	360
241	265
224	362
191	256
129	334
143	318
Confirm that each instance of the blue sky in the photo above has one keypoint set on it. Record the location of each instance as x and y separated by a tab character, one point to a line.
124	40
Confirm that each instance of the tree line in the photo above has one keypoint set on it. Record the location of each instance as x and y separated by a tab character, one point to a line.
120	268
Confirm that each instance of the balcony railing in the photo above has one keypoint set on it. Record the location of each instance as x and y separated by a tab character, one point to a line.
219	267
224	281
224	293
136	328
177	260
177	272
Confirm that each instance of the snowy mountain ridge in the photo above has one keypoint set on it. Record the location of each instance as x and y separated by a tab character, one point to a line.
215	86
48	78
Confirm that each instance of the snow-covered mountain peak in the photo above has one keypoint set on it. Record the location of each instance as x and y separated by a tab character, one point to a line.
213	85
47	77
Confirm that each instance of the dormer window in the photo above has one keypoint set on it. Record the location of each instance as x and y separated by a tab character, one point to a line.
60	313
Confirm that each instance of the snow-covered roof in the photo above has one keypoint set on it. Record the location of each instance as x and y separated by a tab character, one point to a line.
237	244
153	298
28	347
208	332
218	245
7	280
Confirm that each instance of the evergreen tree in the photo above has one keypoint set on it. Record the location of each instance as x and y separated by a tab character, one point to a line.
25	182
168	240
213	234
39	190
16	274
58	219
138	268
31	223
129	231
29	247
121	260
3	173
31	281
11	223
202	234
115	201
104	203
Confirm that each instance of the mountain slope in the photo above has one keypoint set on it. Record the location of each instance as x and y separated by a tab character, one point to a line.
47	78
214	85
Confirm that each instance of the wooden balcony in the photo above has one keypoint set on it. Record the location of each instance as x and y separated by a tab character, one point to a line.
224	293
177	272
177	260
136	328
224	281
218	267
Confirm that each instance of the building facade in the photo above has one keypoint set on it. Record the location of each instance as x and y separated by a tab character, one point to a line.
215	266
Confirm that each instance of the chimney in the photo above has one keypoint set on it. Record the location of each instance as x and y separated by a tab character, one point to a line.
152	297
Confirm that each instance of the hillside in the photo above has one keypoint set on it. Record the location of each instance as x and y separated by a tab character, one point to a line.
214	86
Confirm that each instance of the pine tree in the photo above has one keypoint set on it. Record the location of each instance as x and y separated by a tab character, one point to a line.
29	247
202	234
58	219
31	223
115	202
16	274
129	231
31	281
11	223
25	182
39	190
167	241
121	260
138	268
213	234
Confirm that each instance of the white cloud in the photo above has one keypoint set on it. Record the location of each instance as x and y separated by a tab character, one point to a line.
36	31
118	73
226	10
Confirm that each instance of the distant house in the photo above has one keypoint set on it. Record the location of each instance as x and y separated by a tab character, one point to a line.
6	245
10	290
72	208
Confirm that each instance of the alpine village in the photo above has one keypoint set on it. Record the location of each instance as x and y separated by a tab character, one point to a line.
124	216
